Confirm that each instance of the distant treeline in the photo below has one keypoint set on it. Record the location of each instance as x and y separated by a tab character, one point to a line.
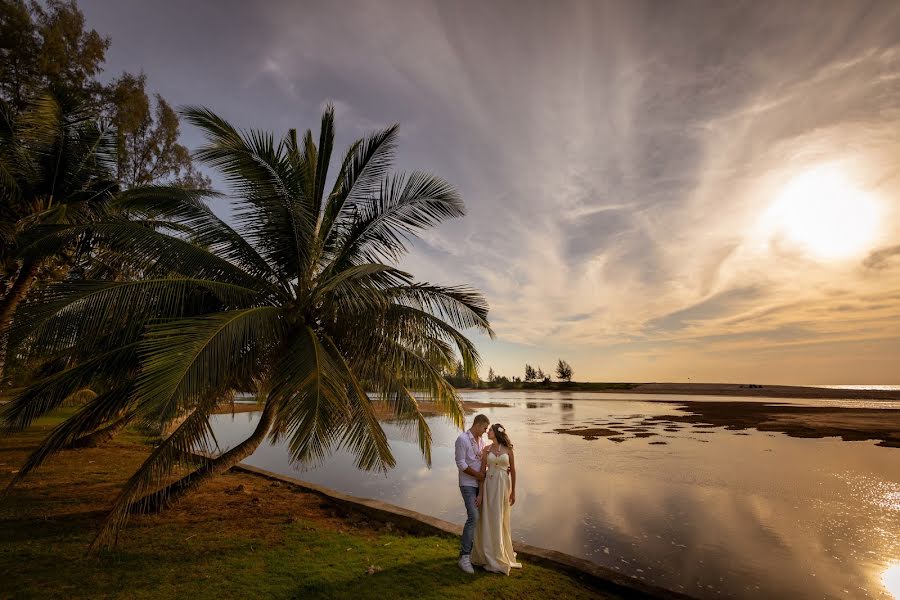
535	379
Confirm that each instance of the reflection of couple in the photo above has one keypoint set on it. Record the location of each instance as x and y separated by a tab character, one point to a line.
487	481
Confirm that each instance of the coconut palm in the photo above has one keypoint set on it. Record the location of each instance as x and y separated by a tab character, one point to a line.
56	164
300	303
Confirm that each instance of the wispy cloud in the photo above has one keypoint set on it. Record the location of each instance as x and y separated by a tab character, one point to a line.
883	258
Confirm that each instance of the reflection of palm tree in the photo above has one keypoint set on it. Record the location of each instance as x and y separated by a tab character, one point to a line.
296	303
55	168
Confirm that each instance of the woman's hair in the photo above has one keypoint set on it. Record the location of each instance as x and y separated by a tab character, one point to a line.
500	434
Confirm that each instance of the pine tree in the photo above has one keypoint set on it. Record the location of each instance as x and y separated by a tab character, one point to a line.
563	371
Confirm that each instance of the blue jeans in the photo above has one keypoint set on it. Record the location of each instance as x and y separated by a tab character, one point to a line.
469	494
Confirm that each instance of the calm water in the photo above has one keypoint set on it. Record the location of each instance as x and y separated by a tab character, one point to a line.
715	513
861	387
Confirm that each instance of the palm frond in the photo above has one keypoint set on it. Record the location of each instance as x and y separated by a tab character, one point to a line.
417	369
49	393
406	409
461	306
323	158
312	396
422	322
97	314
360	281
383	224
186	361
180	449
152	251
102	409
41	125
364	437
269	213
364	166
188	209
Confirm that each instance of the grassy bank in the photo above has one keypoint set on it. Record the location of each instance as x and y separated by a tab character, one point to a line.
240	536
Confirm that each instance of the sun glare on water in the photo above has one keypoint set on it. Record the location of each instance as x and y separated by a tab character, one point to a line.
891	580
825	214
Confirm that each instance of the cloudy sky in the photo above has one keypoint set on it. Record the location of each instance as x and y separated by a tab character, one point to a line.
656	191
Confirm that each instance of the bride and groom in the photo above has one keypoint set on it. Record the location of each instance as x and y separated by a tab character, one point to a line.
487	481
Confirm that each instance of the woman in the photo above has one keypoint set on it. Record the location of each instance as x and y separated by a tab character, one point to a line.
493	540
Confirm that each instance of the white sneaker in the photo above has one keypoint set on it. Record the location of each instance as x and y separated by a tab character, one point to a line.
465	563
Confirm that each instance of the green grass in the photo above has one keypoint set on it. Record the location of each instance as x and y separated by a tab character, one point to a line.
267	541
46	560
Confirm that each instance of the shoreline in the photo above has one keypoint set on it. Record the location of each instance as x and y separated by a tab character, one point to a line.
714	389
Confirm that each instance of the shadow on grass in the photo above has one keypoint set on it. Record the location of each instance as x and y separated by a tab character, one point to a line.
426	577
73	524
29	448
432	578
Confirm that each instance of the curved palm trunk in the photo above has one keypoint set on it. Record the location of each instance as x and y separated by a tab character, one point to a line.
169	495
20	288
102	435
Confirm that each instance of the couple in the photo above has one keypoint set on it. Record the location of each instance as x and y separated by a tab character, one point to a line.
487	481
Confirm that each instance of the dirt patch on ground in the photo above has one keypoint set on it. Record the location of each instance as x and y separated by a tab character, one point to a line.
245	502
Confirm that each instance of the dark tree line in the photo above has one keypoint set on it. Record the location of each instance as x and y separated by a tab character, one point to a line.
564	372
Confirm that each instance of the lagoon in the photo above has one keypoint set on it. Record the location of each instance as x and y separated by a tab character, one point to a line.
704	510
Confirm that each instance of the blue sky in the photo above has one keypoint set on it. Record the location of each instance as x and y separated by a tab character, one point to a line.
656	191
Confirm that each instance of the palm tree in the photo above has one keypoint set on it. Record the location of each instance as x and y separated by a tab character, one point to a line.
300	303
56	164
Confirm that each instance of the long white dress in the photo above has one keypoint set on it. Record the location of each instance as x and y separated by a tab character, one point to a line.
493	538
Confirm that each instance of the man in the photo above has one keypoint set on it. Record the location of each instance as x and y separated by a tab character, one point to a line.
469	448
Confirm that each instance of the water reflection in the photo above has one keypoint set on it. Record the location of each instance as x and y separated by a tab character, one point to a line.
711	512
891	580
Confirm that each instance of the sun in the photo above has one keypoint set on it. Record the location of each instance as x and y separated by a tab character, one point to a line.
823	213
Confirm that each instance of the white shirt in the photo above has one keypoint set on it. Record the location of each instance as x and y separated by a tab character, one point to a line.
468	454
